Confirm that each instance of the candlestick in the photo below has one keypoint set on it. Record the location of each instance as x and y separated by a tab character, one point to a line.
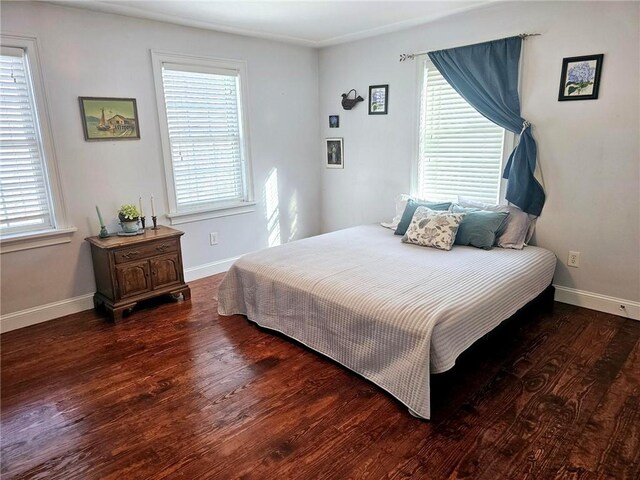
142	220
155	222
99	216
140	203
153	207
104	233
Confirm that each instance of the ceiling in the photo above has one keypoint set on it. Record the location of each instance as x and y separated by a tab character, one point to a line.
310	23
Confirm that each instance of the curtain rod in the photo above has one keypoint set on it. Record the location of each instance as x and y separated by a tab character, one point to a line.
411	56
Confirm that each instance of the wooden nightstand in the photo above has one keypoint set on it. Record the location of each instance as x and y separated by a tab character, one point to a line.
132	269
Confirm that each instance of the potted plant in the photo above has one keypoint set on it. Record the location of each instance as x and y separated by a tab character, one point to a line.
129	216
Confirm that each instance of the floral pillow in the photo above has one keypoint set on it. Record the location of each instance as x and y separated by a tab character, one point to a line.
430	228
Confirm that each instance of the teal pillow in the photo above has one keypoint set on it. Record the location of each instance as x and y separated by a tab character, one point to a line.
479	227
410	209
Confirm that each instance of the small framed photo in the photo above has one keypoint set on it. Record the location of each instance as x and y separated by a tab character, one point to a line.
109	118
580	78
335	153
334	121
378	99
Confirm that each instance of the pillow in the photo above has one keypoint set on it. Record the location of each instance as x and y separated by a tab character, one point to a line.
479	227
532	229
514	230
401	204
410	209
430	228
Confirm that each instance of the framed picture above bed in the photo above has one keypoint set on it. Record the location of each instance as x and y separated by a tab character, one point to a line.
335	153
580	78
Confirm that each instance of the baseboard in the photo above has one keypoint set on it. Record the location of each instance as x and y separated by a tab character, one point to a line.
50	311
208	269
595	301
43	313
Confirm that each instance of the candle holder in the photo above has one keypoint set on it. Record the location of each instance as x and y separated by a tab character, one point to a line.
104	233
142	221
155	222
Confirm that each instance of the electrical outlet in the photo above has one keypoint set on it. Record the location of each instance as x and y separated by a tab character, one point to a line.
574	259
213	238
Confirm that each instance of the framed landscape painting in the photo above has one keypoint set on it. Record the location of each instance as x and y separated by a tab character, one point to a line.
580	78
106	118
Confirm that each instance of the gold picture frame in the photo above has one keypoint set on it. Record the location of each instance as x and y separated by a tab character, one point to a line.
107	118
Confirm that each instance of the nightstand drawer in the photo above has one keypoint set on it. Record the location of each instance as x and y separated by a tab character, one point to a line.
145	251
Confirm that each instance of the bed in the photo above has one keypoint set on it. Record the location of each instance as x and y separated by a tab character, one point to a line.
390	311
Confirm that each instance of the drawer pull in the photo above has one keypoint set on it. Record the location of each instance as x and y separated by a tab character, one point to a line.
163	247
130	254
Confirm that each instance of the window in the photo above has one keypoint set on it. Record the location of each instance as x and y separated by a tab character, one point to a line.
29	200
24	196
460	151
204	135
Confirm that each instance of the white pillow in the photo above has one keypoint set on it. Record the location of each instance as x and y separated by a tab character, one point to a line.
430	228
532	228
401	204
517	228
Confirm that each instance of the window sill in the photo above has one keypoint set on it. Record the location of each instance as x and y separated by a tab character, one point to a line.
211	212
31	240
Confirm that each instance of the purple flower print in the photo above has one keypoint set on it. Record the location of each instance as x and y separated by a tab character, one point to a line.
581	73
580	76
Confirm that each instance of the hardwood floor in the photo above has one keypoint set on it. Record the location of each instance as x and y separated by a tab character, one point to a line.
176	392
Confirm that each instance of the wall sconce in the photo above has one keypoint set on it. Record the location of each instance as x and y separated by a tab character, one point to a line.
349	103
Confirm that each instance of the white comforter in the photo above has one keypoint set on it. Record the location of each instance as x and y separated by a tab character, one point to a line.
392	312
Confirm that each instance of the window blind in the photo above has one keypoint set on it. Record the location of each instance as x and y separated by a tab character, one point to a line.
24	194
460	150
205	135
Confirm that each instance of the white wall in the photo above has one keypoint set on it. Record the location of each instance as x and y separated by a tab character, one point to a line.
589	150
93	54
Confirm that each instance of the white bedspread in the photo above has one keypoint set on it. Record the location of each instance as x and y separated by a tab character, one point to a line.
390	311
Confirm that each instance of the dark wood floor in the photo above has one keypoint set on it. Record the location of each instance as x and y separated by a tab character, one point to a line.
176	392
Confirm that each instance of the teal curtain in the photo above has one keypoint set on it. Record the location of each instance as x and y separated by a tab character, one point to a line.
486	76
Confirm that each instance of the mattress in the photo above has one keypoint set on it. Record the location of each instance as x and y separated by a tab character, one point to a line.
392	312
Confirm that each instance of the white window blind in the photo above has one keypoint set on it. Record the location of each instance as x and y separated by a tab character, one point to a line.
25	201
205	135
460	150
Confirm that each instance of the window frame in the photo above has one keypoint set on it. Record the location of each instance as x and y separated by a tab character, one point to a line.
508	141
60	230
198	63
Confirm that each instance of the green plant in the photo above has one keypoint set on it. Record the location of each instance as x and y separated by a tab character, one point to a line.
129	212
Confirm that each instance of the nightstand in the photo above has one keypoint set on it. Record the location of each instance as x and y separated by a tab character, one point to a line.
131	269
